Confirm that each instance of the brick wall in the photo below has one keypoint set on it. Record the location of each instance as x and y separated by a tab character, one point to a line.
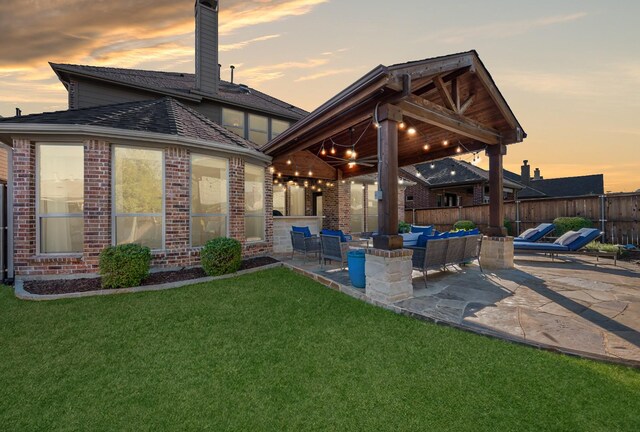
422	198
97	212
336	202
478	194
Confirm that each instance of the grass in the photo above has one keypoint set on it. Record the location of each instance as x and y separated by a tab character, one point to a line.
275	351
596	246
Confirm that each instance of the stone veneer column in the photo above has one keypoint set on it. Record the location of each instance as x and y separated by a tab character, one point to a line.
97	200
388	274
336	203
496	253
24	200
236	199
177	206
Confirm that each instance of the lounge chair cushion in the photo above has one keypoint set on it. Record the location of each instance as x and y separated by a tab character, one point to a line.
338	233
304	230
528	233
567	238
423	239
542	247
587	235
410	239
422	229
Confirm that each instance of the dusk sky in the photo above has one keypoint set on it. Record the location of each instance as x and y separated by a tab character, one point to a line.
570	70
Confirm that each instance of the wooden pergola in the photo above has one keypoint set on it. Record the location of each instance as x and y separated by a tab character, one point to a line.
402	115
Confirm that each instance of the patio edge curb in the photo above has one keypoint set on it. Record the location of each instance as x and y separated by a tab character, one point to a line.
22	294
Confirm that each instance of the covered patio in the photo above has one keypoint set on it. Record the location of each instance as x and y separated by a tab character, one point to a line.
397	116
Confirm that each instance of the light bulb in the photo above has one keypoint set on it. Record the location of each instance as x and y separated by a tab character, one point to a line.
353	155
458	149
272	170
418	174
310	173
288	161
445	143
333	150
319	190
349	152
351	164
297	173
425	147
453	172
432	166
411	131
401	181
319	181
279	175
402	125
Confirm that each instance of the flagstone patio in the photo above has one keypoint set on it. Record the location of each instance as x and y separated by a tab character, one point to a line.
576	305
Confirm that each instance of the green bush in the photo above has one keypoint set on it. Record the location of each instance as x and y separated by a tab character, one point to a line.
596	246
466	225
564	224
124	265
404	227
508	226
221	256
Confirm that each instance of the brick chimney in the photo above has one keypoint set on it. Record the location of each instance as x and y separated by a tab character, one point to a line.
536	174
525	172
207	72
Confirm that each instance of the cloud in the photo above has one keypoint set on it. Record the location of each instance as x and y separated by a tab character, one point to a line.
240	45
35	31
556	83
501	30
323	74
271	72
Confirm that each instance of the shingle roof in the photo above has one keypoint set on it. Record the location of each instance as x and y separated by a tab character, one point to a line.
164	116
438	173
179	84
569	186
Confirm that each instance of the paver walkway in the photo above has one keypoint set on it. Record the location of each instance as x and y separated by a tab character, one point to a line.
574	306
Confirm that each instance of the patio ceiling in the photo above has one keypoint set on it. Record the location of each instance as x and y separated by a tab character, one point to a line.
451	102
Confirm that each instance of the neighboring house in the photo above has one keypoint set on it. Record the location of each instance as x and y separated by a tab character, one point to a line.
451	182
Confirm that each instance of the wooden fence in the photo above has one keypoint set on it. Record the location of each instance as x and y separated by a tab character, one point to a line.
615	214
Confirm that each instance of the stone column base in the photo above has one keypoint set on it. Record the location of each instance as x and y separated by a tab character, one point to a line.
497	253
388	275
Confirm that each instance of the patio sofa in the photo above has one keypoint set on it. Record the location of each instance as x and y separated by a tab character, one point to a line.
440	252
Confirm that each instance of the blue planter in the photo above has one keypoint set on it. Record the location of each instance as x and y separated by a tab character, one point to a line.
355	262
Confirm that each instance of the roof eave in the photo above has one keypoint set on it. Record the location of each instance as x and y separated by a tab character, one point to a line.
31	129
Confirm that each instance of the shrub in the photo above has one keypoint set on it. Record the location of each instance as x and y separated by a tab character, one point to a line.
221	256
124	265
564	224
466	225
404	227
508	226
596	246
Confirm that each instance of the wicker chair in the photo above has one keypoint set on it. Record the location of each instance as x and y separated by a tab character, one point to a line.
472	249
333	249
433	256
304	245
455	251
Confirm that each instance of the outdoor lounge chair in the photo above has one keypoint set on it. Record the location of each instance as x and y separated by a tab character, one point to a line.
304	244
535	234
570	243
332	248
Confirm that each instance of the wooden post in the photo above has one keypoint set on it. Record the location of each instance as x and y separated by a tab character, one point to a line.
496	200
389	116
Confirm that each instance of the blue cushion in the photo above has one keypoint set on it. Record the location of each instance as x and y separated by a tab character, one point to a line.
461	233
587	235
338	233
304	230
542	247
423	239
474	231
422	229
444	235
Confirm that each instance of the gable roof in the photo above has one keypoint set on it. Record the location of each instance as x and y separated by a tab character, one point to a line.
181	85
570	186
438	174
164	116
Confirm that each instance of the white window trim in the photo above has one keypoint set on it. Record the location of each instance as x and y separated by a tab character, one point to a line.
55	215
264	209
191	214
113	196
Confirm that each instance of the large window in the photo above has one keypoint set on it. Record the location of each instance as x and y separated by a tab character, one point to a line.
258	129
60	198
297	201
357	208
234	121
372	209
279	197
277	127
138	196
209	198
254	203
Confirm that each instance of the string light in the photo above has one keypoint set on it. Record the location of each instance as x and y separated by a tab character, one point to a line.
323	151
401	181
349	152
418	174
458	149
425	147
310	173
319	181
279	175
288	161
319	190
297	173
411	131
453	171
272	170
445	143
351	164
333	150
402	125
432	165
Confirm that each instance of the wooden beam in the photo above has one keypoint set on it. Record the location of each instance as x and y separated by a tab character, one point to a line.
496	187
494	93
429	68
426	88
466	104
431	113
455	94
444	94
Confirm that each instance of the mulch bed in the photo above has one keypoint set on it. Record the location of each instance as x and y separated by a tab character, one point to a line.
66	286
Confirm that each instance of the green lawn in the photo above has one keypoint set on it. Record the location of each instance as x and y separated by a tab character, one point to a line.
275	351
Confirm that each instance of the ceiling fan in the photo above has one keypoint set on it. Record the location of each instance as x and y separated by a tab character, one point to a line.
368	161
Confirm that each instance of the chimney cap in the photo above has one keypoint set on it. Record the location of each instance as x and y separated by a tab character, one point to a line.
525	162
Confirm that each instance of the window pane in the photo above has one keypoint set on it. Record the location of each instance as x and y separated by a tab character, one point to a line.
297	204
254	202
233	120
61	235
357	208
138	180
278	200
278	126
204	229
372	209
61	175
208	185
143	230
254	228
258	129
